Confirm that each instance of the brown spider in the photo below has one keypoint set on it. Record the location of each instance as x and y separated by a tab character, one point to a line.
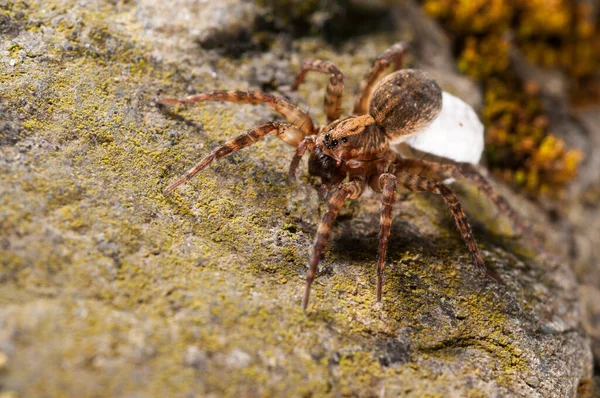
350	153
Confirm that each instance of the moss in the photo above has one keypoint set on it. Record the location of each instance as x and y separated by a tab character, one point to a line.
14	50
520	146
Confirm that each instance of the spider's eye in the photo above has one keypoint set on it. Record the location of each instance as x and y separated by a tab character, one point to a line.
334	143
327	137
344	140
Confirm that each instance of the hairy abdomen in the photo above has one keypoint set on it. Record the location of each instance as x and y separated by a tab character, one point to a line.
405	102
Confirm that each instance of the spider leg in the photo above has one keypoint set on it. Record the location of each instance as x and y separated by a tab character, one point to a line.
349	190
393	54
289	111
416	183
389	183
335	88
234	145
469	172
307	143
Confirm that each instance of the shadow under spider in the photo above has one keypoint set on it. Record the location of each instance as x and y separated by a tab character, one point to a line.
480	218
358	240
269	173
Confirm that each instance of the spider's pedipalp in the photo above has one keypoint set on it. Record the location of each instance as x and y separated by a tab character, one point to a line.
349	190
233	145
417	183
335	88
389	182
394	54
307	144
289	111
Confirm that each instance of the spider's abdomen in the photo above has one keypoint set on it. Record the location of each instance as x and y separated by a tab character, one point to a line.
405	102
457	133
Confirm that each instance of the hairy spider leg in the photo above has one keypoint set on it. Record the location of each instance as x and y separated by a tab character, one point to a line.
253	135
307	143
335	88
348	190
389	182
417	183
289	111
470	173
394	54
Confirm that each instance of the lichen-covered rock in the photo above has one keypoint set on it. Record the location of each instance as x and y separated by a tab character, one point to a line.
110	288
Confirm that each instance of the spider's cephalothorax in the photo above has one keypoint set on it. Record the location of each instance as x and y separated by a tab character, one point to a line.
350	153
350	146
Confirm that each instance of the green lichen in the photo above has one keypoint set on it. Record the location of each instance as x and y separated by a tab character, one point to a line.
14	50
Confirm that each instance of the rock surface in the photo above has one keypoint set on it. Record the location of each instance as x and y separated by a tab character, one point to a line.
576	217
110	288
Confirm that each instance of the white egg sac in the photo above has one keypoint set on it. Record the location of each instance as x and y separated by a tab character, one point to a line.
457	133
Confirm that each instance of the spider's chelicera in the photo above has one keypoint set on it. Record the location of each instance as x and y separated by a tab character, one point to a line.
352	153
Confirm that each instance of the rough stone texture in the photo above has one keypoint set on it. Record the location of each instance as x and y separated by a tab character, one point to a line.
110	288
577	215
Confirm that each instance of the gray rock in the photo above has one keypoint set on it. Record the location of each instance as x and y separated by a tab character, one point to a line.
101	288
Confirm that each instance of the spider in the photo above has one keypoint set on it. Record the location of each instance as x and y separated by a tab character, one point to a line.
351	153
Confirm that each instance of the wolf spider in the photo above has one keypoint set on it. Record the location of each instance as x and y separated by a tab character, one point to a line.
352	152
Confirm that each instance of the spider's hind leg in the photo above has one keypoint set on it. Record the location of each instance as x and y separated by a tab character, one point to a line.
418	183
469	172
394	54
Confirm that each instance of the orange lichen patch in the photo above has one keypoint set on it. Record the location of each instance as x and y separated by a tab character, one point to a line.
477	16
485	57
559	34
552	162
520	146
552	33
544	17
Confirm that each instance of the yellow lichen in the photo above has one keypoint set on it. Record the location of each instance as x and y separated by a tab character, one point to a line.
550	34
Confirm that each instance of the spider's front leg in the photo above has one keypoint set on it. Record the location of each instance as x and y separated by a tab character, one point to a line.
335	88
417	183
289	111
349	190
285	131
